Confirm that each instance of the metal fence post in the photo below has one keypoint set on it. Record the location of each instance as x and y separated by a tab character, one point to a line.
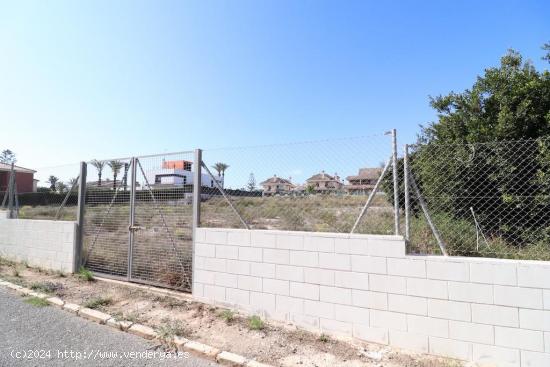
131	227
395	181
78	243
407	194
197	186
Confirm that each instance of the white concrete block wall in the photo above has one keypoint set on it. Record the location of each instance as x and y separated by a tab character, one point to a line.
494	312
45	243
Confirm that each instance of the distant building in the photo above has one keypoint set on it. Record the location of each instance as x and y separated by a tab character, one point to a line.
323	182
178	173
364	182
24	178
277	185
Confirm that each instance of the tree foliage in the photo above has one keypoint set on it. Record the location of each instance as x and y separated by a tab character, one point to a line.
479	155
7	157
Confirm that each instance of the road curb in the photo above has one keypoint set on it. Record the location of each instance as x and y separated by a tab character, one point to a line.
222	357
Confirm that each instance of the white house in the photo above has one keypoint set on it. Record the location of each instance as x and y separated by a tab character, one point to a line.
178	173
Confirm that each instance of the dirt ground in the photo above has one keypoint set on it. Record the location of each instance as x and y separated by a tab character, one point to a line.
178	314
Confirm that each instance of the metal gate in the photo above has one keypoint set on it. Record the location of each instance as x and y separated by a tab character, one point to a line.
138	222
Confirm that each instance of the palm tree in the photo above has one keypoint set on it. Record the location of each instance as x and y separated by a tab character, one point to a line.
220	168
99	166
52	180
115	167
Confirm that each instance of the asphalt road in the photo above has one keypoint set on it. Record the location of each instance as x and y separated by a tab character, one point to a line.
53	337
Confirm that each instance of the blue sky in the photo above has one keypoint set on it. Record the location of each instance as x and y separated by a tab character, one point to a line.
101	79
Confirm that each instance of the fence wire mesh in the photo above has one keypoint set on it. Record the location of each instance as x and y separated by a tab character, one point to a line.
490	200
42	193
310	186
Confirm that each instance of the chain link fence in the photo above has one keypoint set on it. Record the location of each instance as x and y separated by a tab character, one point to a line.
310	186
490	199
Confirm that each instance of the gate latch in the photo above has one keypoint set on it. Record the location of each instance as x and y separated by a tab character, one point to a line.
135	228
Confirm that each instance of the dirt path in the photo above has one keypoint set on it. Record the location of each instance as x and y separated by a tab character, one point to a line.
273	343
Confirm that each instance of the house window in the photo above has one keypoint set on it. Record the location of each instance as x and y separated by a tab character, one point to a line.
157	179
212	183
185	180
187	166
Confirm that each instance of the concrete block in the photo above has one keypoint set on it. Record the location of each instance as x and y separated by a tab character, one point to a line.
428	326
319	276
546	297
495	315
491	273
227	252
205	250
352	314
519	338
237	296
449	310
334	261
226	280
276	286
371	334
407	267
533	276
407	304
427	288
471	332
230	359
262	302
205	276
201	350
388	283
352	280
335	295
216	237
410	341
214	264
238	267
55	301
389	320
317	243
304	258
276	256
369	299
534	359
238	237
304	290
289	304
71	307
215	293
518	297
249	283
470	292
120	325
263	239
448	270
179	342
290	242
348	246
263	270
307	322
450	348
386	248
534	319
368	264
319	309
490	355
94	315
285	272
337	327
250	254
